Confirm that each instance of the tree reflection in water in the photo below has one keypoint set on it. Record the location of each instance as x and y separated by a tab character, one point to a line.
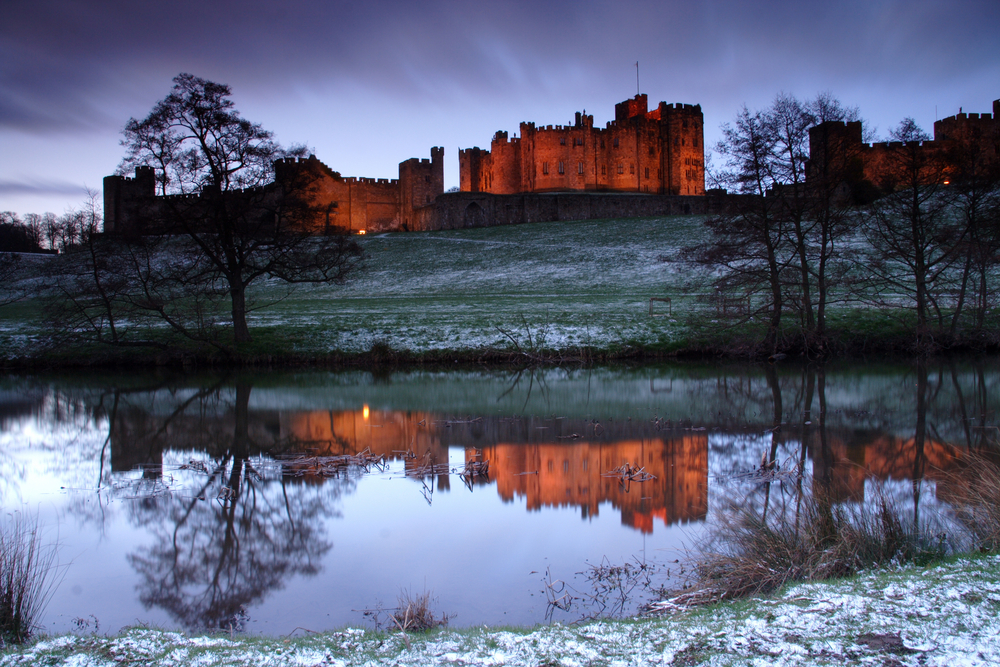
240	536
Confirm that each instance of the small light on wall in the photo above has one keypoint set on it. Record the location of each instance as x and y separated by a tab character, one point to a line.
364	412
361	231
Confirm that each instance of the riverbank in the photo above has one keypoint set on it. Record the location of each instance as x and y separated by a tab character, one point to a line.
585	291
943	614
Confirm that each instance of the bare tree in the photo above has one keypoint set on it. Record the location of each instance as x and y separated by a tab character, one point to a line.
242	227
778	235
974	158
914	236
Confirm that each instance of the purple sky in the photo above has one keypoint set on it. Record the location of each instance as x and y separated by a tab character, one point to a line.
371	83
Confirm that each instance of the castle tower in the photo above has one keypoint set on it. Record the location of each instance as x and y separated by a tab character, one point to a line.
420	183
124	197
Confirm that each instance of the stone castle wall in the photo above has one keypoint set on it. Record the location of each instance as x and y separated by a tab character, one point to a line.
655	152
838	148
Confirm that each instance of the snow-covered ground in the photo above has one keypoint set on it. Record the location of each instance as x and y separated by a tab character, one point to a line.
944	614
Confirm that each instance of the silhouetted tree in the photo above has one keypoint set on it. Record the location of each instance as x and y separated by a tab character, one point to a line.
914	235
242	227
777	235
974	160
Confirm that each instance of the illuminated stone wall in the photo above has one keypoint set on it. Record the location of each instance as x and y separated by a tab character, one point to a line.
656	152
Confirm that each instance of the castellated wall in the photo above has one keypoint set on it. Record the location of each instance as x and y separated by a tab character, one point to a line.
339	203
837	150
641	151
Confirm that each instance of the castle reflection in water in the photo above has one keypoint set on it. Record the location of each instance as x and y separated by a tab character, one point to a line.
547	462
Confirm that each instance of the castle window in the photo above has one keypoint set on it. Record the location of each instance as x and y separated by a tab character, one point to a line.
579	141
685	123
677	141
647	172
695	142
579	167
604	170
631	169
652	150
616	142
621	168
602	143
562	169
545	167
562	141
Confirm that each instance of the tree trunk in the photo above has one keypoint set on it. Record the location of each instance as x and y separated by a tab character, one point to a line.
241	333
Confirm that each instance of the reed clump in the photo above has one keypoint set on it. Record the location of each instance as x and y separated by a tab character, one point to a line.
977	500
413	613
28	577
752	552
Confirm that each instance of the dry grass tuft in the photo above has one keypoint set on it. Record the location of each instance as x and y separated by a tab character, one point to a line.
978	500
28	577
747	553
413	612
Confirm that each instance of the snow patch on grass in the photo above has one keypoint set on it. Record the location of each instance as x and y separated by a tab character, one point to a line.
946	615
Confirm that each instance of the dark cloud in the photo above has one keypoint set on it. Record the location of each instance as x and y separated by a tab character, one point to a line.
54	187
63	58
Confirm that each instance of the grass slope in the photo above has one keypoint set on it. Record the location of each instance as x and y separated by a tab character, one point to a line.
945	614
579	289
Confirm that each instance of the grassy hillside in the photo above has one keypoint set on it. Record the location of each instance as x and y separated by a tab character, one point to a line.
556	289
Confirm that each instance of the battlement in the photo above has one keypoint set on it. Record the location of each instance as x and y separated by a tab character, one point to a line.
895	145
361	180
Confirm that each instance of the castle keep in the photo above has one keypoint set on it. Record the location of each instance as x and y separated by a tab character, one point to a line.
655	152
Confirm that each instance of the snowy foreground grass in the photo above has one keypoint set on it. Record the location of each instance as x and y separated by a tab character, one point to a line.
943	614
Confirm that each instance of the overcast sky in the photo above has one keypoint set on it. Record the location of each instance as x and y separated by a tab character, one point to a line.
369	84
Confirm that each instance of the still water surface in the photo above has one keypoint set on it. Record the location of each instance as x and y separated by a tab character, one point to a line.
238	501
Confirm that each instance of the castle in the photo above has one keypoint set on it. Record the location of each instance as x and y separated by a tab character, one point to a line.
837	148
357	205
658	152
570	172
